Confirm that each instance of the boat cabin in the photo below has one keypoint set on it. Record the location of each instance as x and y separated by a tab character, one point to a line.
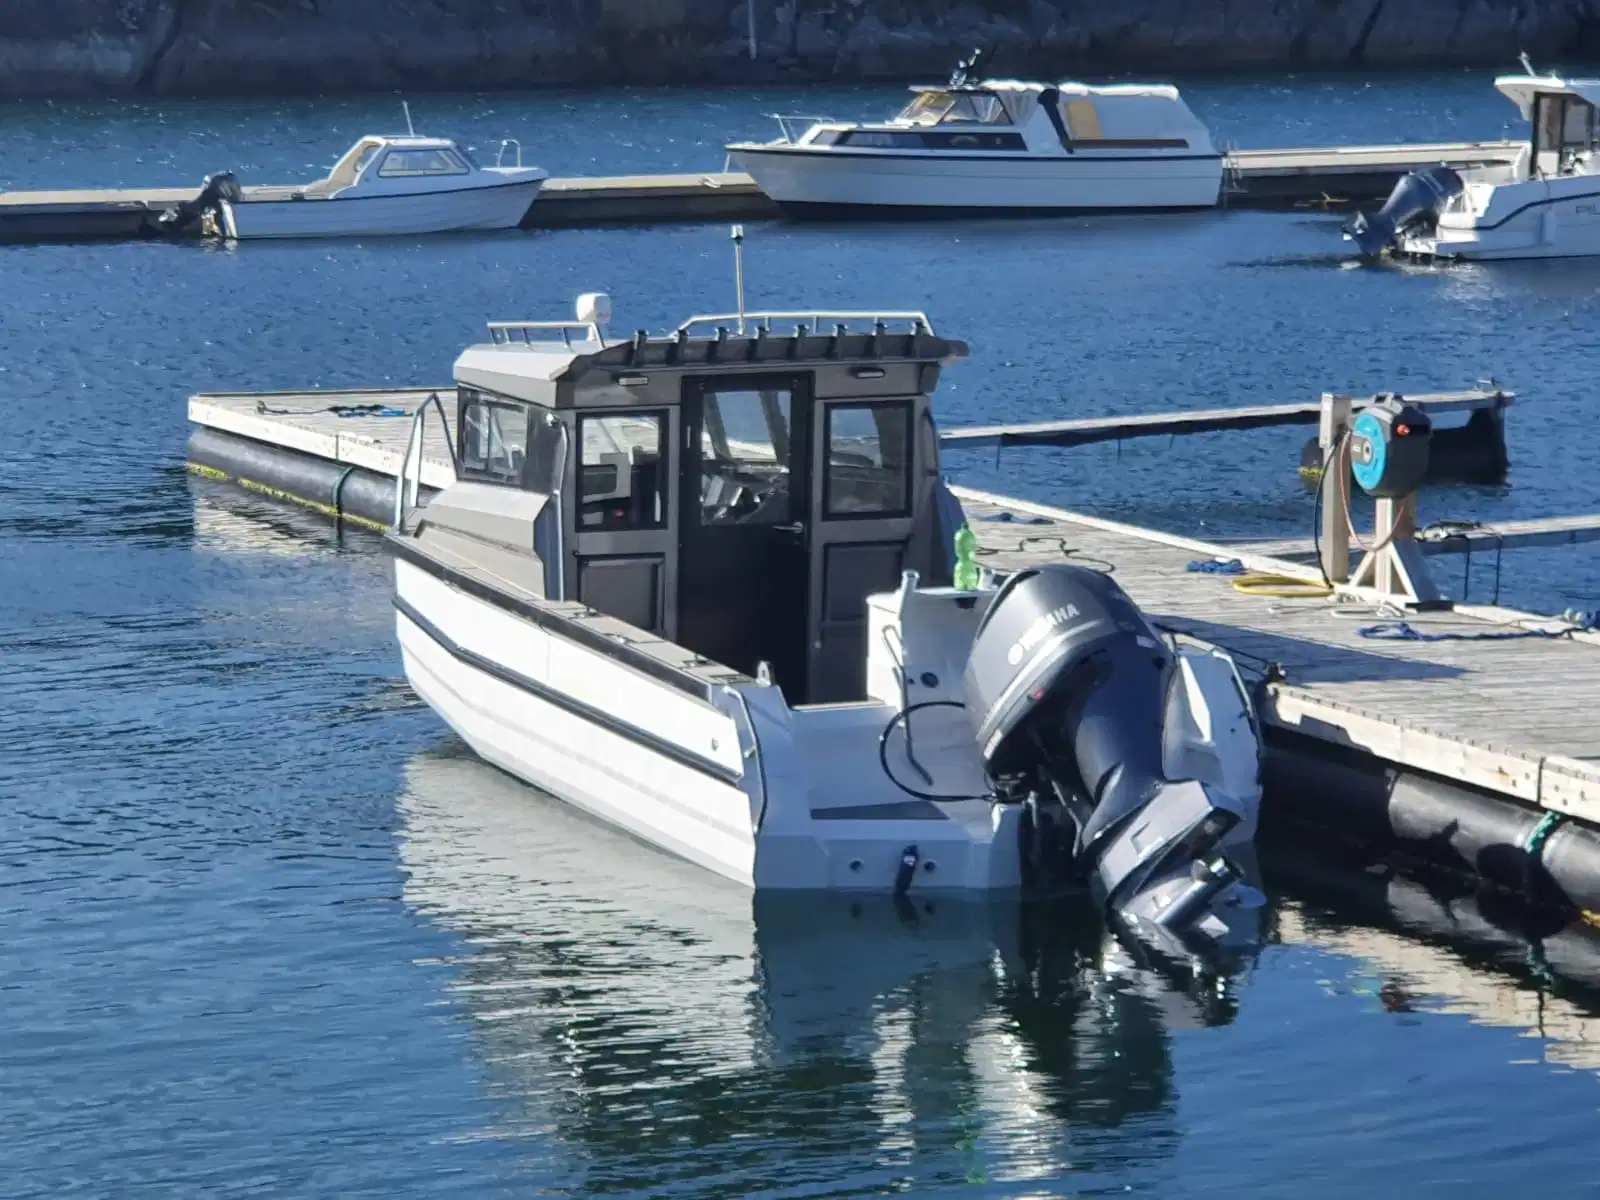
738	487
1565	116
1048	118
393	160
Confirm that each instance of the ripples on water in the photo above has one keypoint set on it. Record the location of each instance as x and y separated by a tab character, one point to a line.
216	975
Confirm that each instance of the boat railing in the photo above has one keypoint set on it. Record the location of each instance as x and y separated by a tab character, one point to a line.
788	121
408	484
816	321
500	159
537	333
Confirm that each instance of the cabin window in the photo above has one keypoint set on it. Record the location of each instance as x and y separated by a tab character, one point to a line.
744	457
623	474
421	162
951	108
494	439
869	463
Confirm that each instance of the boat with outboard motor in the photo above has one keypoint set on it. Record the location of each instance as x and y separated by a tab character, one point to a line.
1543	204
384	185
705	586
991	147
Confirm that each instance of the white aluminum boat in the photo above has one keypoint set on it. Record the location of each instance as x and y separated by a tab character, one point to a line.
384	185
703	586
1544	204
984	147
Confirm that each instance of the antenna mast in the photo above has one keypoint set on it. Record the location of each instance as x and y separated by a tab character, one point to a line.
410	129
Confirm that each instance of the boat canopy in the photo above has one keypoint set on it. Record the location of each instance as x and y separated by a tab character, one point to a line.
1115	112
1521	90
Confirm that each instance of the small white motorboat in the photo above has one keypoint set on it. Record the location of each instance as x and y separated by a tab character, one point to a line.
1544	204
384	185
989	147
710	588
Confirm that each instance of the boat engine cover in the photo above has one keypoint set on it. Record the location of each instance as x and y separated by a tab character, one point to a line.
1053	634
1417	196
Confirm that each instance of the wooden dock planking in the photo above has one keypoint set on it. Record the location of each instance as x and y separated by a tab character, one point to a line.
1512	716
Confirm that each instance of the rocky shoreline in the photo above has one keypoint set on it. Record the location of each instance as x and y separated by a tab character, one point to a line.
233	47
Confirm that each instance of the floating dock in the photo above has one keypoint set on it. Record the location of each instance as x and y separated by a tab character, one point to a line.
1328	178
1467	735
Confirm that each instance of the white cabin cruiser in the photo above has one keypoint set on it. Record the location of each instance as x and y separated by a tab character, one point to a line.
988	147
703	586
384	185
1545	204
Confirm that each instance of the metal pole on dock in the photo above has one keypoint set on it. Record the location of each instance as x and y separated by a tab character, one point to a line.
1335	532
737	234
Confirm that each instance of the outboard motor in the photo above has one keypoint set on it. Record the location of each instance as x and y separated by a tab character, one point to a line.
1416	199
1068	686
213	190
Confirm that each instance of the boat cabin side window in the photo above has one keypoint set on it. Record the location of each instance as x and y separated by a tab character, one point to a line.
624	477
493	439
869	469
1563	128
421	162
744	456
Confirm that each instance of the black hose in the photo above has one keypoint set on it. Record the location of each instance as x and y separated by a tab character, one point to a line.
883	749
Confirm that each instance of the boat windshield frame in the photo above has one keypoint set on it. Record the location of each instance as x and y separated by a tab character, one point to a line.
937	106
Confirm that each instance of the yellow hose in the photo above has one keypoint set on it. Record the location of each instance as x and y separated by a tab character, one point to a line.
1285	586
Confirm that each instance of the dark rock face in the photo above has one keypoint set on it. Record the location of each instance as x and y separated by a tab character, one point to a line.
67	47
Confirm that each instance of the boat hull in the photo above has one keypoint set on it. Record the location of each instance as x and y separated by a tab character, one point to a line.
1543	224
492	207
814	811
824	183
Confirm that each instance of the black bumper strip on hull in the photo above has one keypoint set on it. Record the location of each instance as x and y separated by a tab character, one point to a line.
540	691
574	631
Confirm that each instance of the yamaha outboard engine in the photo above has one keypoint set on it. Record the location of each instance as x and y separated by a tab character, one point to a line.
1068	686
1416	199
213	190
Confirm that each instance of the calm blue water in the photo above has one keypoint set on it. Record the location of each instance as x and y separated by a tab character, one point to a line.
265	930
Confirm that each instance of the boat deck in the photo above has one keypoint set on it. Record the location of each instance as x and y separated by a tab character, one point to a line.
1513	715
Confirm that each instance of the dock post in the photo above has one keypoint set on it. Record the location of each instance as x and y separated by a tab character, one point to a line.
1335	531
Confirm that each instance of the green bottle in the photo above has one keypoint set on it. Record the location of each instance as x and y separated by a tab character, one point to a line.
966	573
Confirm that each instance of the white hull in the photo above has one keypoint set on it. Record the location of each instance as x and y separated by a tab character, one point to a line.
1536	219
995	183
811	760
496	206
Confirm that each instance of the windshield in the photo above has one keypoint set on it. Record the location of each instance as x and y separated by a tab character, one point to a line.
954	108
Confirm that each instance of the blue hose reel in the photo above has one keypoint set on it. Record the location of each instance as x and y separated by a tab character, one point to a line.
1389	447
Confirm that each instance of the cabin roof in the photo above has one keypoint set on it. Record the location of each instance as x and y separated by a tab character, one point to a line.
410	141
1164	92
1521	89
526	360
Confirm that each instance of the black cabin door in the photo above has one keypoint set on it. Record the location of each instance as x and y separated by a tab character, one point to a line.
743	576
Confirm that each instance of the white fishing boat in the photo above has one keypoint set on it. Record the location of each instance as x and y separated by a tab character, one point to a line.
705	586
385	185
988	147
1544	204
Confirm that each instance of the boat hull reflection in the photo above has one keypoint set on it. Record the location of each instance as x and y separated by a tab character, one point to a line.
615	994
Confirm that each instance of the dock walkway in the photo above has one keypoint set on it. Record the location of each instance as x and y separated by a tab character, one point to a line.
1326	177
1514	715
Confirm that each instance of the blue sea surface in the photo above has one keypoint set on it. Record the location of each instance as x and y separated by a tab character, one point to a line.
267	929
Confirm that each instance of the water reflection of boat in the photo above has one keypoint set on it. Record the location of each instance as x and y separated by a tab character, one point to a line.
641	1011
